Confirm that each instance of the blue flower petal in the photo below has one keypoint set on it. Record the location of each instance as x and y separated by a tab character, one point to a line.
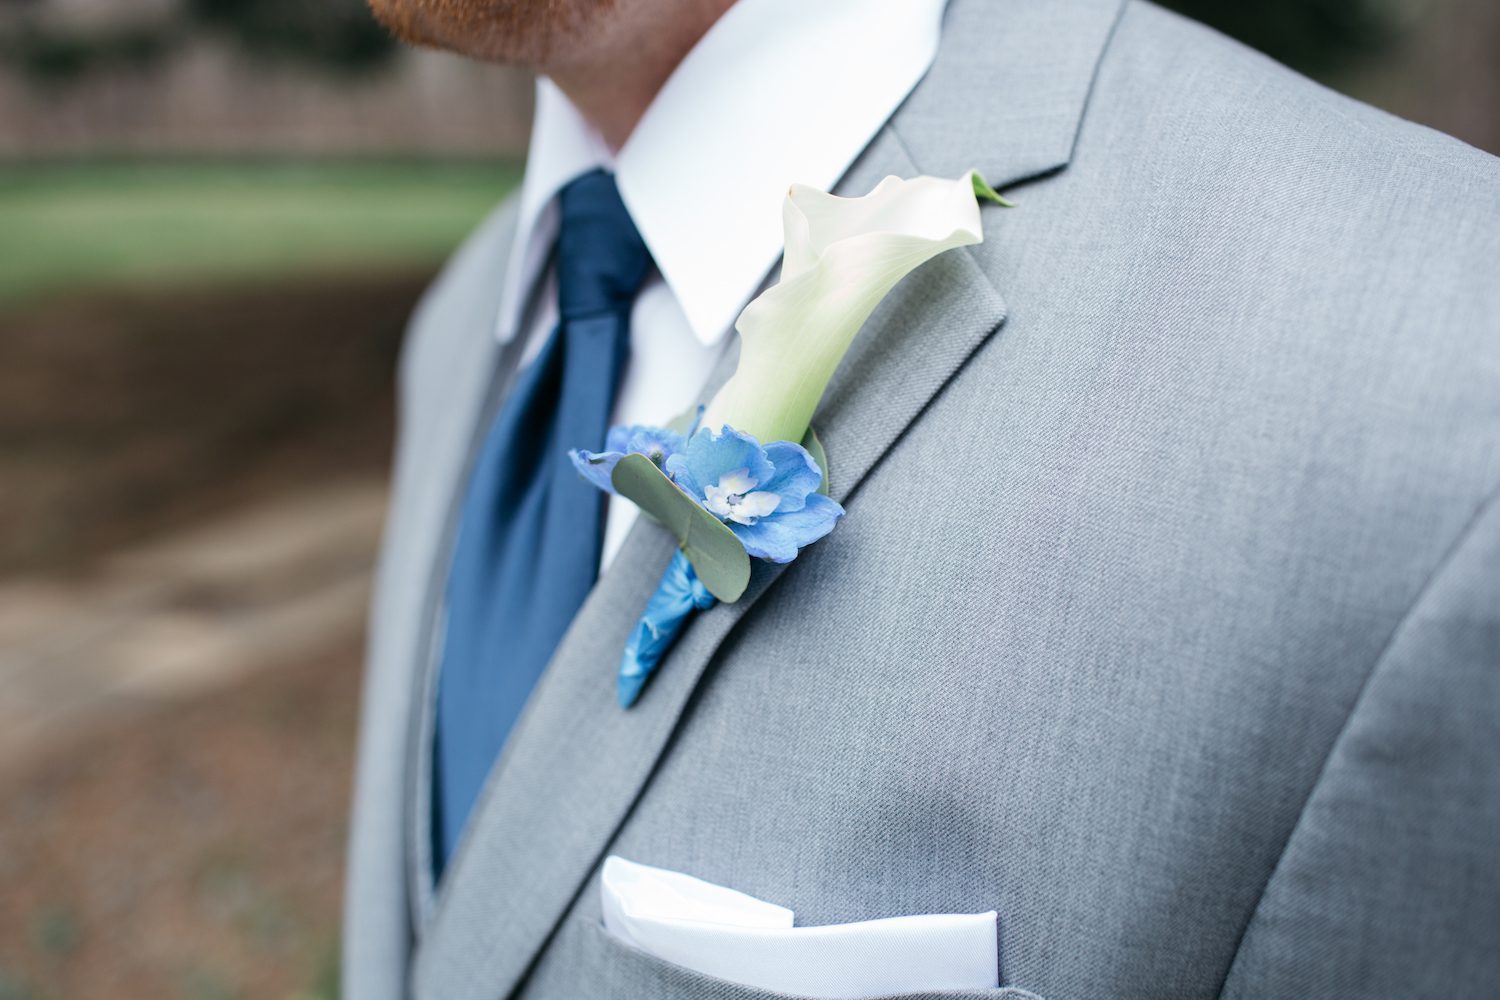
779	536
656	443
709	457
796	475
596	466
618	438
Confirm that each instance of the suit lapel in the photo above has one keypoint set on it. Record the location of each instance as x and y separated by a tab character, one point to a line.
449	344
471	418
576	763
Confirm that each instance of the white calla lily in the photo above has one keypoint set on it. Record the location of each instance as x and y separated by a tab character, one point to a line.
843	255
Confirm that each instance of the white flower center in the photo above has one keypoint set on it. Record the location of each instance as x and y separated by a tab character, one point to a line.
734	500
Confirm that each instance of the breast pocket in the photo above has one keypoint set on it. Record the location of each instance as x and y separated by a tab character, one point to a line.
630	972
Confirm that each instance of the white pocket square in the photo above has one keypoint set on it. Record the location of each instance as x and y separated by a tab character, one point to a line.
731	936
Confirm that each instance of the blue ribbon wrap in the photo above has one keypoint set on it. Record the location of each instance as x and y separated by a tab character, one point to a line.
679	594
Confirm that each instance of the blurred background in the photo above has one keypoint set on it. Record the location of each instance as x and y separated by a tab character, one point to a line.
215	216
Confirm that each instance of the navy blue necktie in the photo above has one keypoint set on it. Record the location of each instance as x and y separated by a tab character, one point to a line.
529	534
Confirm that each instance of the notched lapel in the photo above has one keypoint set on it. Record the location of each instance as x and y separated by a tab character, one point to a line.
1018	74
915	341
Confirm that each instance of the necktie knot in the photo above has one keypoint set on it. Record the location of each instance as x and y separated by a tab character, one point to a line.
601	258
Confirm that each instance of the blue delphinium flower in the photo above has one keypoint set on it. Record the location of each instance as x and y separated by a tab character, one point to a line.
767	495
656	443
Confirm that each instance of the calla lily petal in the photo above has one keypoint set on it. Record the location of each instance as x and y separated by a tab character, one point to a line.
843	255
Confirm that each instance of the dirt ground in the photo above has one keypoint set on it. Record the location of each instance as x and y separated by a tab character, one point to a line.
185	838
193	851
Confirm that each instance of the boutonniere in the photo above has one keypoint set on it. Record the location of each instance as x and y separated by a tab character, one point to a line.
746	477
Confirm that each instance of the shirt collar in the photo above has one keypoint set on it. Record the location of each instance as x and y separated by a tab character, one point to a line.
777	92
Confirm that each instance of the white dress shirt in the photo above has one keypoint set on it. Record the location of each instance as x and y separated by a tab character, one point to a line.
777	92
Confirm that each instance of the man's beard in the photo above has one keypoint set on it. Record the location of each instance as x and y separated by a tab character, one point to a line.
518	32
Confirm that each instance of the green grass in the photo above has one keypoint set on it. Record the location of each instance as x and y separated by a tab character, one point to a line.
78	226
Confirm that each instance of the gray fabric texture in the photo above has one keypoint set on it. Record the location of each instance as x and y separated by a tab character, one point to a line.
1165	619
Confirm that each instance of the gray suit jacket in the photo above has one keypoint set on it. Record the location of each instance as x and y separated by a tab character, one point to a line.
1165	619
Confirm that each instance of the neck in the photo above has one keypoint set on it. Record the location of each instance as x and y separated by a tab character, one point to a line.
614	81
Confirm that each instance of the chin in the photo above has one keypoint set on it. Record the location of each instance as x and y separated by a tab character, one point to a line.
527	33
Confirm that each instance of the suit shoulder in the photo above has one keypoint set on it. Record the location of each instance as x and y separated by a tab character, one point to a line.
1357	195
1221	199
1204	73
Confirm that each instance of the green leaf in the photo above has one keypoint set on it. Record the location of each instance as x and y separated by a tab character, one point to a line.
815	449
984	192
716	554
